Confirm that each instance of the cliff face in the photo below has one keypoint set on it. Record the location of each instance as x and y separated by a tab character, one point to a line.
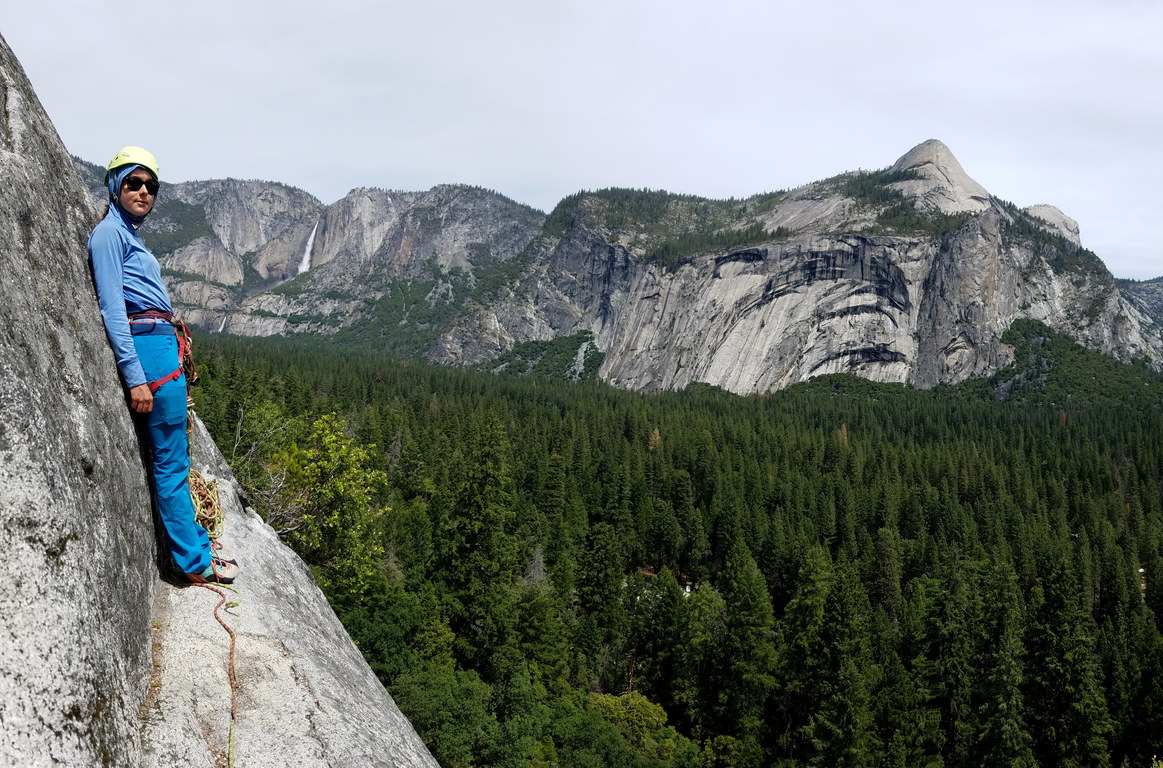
1146	296
74	506
103	662
910	274
367	245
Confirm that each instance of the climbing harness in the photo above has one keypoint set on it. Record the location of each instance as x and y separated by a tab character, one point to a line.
147	322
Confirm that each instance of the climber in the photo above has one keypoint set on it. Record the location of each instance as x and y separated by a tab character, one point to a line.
139	323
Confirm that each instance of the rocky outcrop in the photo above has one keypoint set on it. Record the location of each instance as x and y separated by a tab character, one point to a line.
1058	222
246	216
104	663
1146	296
941	183
201	303
206	257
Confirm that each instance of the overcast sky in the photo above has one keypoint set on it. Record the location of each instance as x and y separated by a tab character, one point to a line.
1041	101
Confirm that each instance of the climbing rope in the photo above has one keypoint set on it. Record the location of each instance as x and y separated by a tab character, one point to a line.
217	589
209	514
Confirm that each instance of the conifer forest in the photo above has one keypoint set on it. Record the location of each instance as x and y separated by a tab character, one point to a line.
843	573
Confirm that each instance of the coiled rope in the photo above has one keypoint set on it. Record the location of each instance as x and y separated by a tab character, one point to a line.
207	505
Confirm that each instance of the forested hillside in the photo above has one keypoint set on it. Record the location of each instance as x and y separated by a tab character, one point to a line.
840	573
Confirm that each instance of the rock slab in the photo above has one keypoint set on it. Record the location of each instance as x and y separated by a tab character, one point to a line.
79	554
304	695
101	662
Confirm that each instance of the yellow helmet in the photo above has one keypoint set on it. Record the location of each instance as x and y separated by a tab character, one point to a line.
132	156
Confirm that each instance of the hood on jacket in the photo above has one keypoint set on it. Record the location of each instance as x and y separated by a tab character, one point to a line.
116	179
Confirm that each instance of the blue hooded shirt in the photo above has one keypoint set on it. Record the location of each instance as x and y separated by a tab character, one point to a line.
128	277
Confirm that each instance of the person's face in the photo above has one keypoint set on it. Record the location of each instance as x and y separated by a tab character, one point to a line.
138	201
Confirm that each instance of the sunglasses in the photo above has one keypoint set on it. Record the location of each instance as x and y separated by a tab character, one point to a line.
133	184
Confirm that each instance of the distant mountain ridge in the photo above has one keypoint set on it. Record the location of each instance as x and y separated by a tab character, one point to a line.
1146	295
910	274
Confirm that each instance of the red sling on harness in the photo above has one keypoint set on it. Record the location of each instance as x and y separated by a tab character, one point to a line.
154	386
185	359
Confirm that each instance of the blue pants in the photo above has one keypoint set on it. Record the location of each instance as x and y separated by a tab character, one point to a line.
169	451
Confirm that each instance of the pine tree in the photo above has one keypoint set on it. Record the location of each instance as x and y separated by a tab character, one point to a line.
946	663
907	729
840	728
803	670
1146	732
699	659
1067	715
887	590
664	631
481	553
1002	738
748	652
601	598
542	637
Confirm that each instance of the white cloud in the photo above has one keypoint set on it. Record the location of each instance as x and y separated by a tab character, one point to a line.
1040	101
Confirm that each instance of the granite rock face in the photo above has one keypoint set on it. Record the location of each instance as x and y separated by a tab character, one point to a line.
246	216
96	666
1146	296
1059	221
209	258
907	275
941	183
305	695
372	240
842	289
79	560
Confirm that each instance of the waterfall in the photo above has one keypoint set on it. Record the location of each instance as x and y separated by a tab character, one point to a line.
305	264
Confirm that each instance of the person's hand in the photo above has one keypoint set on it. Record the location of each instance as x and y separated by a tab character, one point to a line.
140	398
